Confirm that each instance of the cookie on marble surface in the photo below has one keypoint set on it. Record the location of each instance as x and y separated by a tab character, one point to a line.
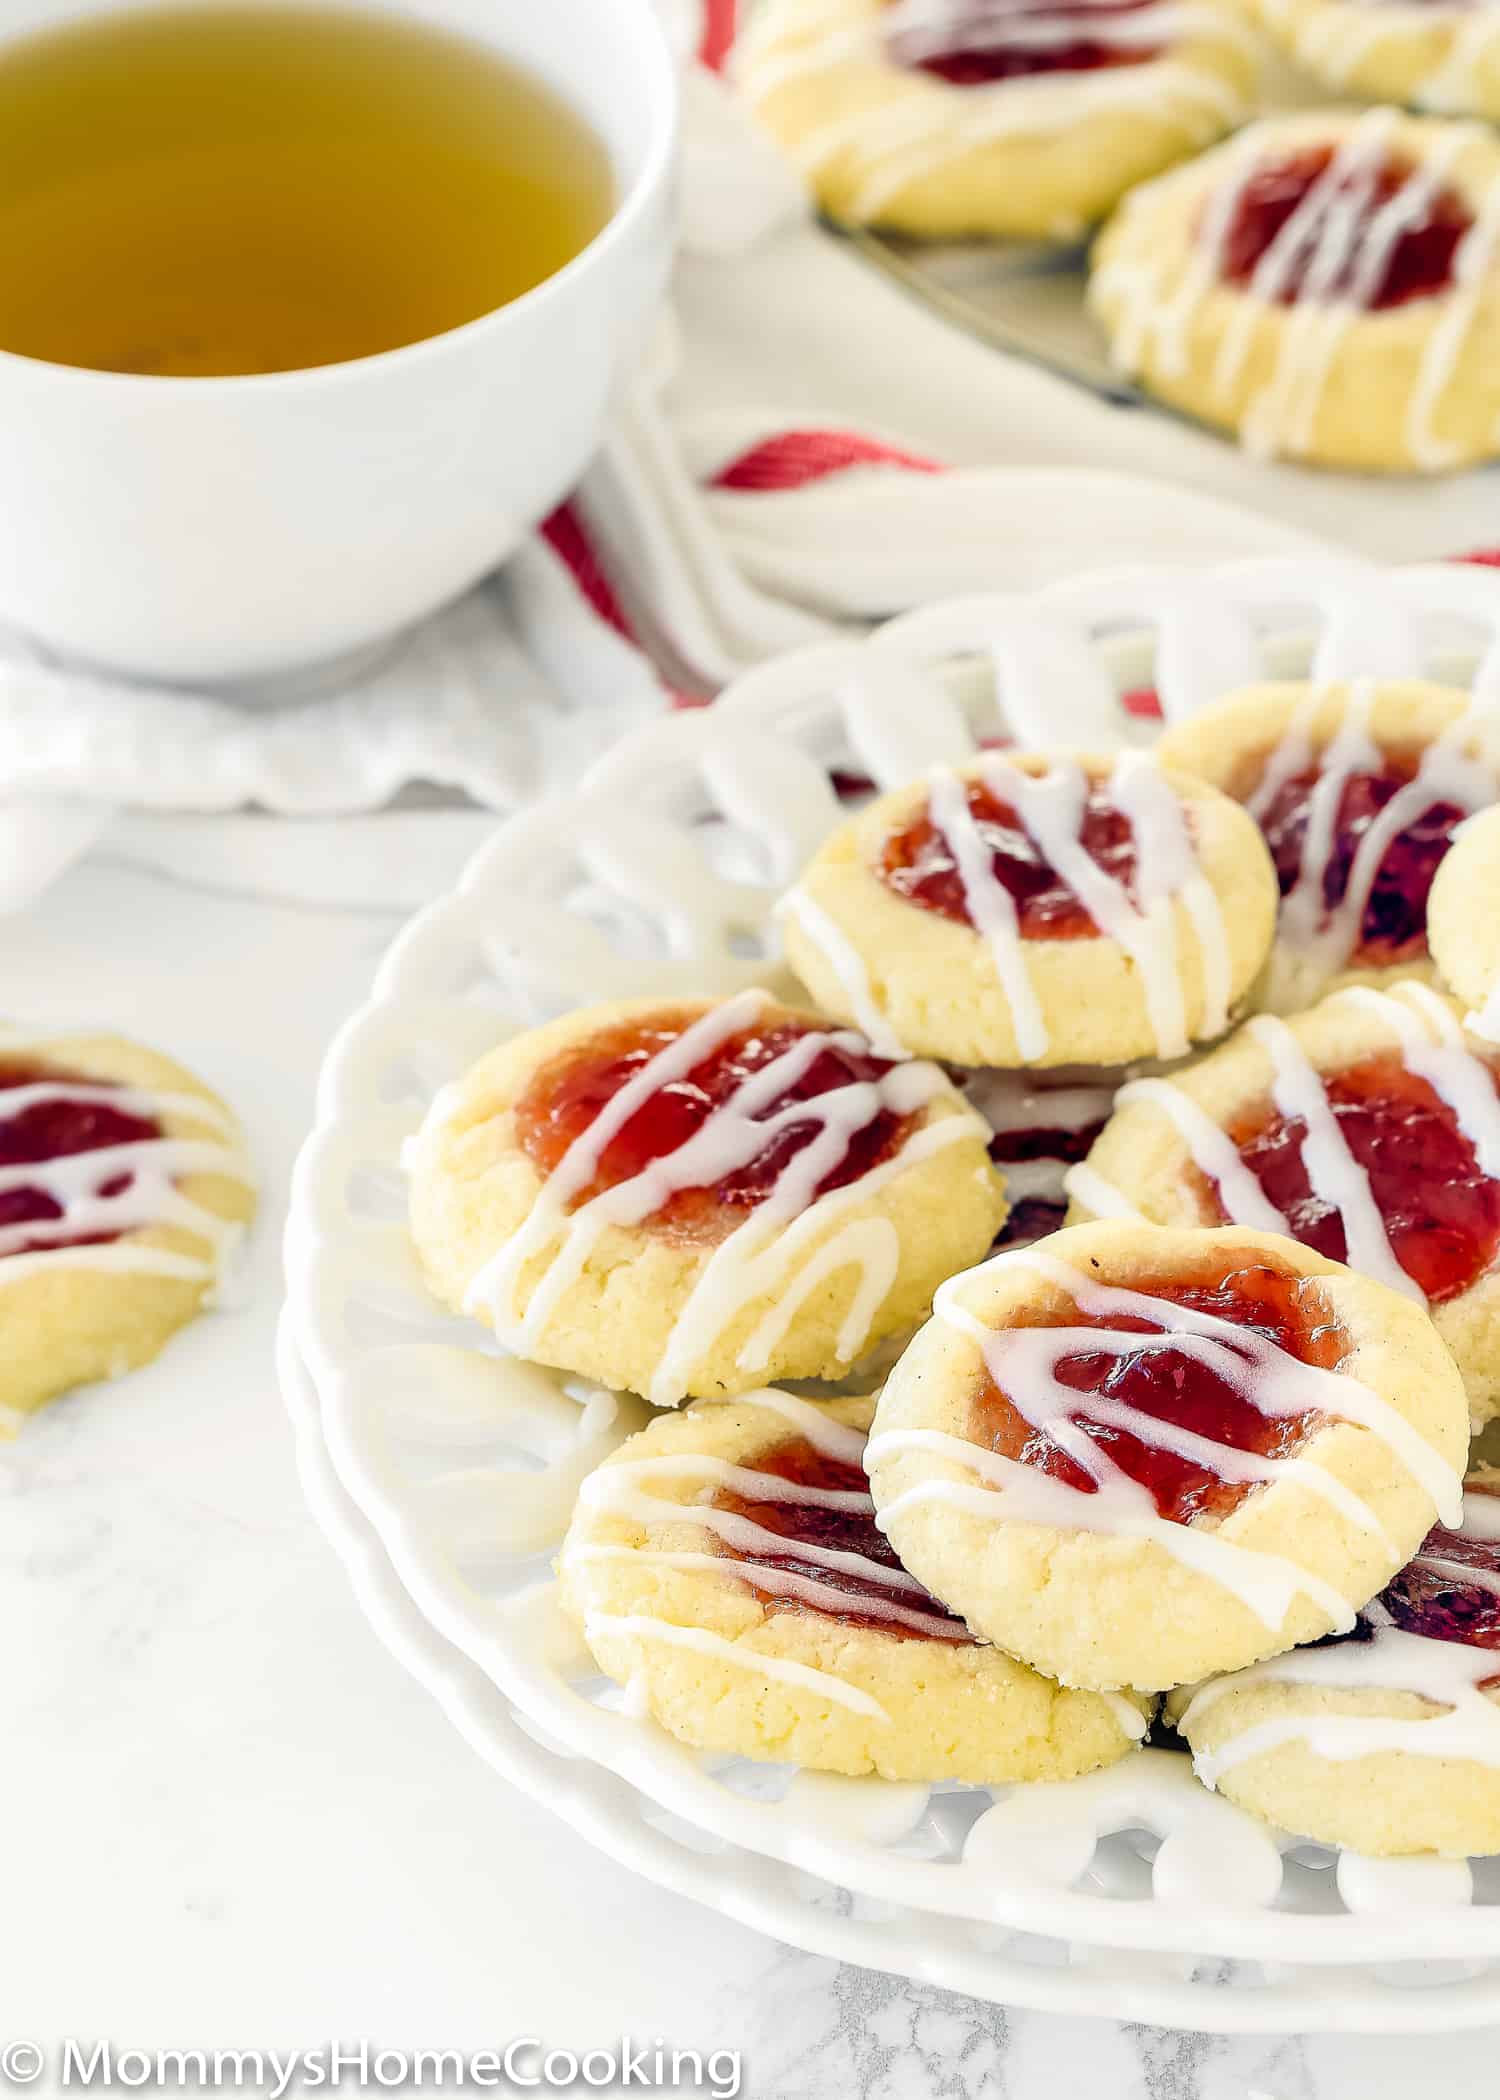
724	1564
685	1197
1463	922
1441	56
1037	909
1028	118
1127	1449
1358	789
1326	285
1388	1740
1368	1128
123	1186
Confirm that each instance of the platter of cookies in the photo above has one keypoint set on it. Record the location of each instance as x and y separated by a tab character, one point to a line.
907	1276
1277	220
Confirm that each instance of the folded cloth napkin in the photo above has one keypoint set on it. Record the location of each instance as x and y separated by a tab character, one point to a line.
700	542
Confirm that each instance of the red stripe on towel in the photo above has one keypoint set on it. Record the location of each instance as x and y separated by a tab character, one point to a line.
565	535
718	32
794	458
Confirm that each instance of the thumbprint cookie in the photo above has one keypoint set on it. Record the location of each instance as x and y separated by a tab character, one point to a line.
1326	285
1037	909
1463	923
693	1198
724	1564
1438	55
123	1188
1368	1128
1385	1738
1012	117
1358	789
1127	1454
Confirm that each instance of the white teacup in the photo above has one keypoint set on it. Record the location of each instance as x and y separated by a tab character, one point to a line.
231	530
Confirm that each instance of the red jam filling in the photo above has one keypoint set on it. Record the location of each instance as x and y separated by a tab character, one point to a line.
1009	1146
567	1096
918	864
1035	1216
51	1130
1419	262
1442	1606
1441	1212
1173	1387
1030	1220
842	1531
1393	928
1069	48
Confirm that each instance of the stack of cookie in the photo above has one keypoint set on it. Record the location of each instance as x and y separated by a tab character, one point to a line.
1207	1440
1326	285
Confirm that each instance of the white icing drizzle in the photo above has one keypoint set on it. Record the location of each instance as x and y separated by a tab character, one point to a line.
1335	42
1447	87
1436	1053
1350	750
1244	1200
150	1168
813	1423
1023	1363
1168	869
781	1582
620	1494
1100	1198
847	965
1267	1583
1333	1172
1050	806
940	28
1336	246
638	1626
1446	774
910	136
1462	1081
1464	1722
601	1489
620	1490
990	906
1447	1673
615	1490
769	1255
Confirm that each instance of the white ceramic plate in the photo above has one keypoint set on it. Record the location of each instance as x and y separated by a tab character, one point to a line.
657	876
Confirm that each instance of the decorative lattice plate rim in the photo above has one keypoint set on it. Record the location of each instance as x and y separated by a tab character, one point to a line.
656	877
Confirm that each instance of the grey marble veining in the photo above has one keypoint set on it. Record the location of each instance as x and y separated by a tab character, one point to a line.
813	2029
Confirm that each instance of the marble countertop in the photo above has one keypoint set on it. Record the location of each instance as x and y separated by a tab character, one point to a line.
233	1821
